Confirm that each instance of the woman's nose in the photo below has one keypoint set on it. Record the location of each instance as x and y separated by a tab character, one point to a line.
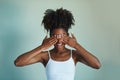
59	37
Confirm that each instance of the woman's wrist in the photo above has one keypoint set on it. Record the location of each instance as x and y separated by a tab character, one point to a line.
76	45
41	47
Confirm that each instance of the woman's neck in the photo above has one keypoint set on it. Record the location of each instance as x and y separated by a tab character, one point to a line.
59	51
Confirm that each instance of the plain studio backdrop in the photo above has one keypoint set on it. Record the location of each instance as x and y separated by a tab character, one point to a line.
97	28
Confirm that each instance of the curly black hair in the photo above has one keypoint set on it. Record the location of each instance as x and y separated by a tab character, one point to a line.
61	18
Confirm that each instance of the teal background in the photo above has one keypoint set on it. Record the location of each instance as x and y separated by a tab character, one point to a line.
97	28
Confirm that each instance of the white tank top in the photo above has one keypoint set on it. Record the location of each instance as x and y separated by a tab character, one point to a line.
60	70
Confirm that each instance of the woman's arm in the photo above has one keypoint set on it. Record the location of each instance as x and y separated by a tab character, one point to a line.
35	55
82	54
30	57
86	57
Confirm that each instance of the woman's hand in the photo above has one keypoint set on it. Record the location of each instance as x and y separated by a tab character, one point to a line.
71	41
48	42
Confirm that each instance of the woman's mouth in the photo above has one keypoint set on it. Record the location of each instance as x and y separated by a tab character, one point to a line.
59	44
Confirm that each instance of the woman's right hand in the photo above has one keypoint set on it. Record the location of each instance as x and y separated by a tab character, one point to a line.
48	42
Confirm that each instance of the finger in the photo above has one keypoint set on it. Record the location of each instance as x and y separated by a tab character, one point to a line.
53	41
65	40
46	37
53	38
73	35
70	35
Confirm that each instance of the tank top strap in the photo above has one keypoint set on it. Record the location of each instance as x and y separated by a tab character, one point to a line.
49	54
71	53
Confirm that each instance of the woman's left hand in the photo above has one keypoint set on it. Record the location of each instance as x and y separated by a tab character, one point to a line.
71	41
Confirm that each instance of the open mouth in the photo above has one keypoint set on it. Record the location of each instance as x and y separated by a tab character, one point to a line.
59	44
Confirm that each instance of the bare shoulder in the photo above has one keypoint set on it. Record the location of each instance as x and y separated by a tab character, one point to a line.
74	56
74	52
45	57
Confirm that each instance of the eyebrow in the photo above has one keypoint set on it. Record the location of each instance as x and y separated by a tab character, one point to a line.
58	34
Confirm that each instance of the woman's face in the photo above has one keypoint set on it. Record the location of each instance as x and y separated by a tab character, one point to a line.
60	34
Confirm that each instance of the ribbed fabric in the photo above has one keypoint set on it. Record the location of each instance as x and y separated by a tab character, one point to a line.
60	70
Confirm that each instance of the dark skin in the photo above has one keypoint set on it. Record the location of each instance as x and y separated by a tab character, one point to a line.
59	39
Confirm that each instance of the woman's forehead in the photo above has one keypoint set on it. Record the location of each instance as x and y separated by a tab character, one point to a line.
59	31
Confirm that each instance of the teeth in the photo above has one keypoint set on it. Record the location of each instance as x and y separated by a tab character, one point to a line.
59	44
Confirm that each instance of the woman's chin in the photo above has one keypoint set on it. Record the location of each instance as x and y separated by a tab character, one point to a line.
59	46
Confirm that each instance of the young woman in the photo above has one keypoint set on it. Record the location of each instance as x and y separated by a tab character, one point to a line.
60	61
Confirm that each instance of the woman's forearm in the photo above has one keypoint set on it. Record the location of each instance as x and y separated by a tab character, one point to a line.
88	57
24	58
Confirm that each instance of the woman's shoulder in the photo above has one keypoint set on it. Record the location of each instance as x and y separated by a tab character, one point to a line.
74	56
45	54
45	57
74	52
